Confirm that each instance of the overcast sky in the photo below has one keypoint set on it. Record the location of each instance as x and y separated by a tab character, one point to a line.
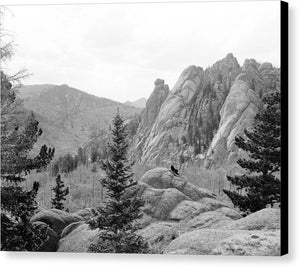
117	51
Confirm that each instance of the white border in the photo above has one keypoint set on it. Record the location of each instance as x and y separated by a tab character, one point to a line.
66	260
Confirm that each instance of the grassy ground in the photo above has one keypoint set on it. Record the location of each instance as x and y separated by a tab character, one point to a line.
86	190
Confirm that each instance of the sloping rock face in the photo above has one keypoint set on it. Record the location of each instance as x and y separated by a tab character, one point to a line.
237	114
239	110
154	102
226	242
189	116
149	114
200	117
265	219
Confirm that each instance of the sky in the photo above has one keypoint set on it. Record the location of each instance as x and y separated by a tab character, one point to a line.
117	51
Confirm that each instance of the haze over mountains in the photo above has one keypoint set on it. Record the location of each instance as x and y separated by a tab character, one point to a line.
68	116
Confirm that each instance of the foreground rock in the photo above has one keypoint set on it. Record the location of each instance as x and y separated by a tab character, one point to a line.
265	219
226	242
218	233
53	220
159	235
50	245
181	218
58	223
78	240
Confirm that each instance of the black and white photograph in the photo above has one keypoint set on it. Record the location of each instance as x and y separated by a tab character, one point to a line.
144	128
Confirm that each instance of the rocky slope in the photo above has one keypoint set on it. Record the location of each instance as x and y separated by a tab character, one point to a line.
68	115
178	218
202	114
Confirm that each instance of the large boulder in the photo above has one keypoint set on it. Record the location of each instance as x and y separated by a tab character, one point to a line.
265	219
78	240
163	178
230	242
51	244
67	217
160	202
170	197
52	219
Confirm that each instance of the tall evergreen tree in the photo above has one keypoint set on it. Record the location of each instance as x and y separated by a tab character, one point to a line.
117	217
17	204
260	186
60	193
19	133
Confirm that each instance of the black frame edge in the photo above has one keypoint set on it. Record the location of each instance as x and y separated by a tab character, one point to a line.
284	125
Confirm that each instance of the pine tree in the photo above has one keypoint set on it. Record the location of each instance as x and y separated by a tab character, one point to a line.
60	193
17	204
19	133
117	217
259	186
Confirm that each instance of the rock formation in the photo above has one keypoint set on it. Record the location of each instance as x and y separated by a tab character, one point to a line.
154	102
56	221
180	218
200	117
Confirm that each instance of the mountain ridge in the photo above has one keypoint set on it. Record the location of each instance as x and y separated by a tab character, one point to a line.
139	103
68	115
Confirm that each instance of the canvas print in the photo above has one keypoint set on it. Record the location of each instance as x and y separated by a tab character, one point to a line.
144	128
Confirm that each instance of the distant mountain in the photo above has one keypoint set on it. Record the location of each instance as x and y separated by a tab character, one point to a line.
69	116
140	103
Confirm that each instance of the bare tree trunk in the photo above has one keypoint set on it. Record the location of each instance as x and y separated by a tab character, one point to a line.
93	190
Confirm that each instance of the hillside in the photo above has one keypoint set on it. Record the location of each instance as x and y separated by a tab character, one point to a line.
140	103
68	116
